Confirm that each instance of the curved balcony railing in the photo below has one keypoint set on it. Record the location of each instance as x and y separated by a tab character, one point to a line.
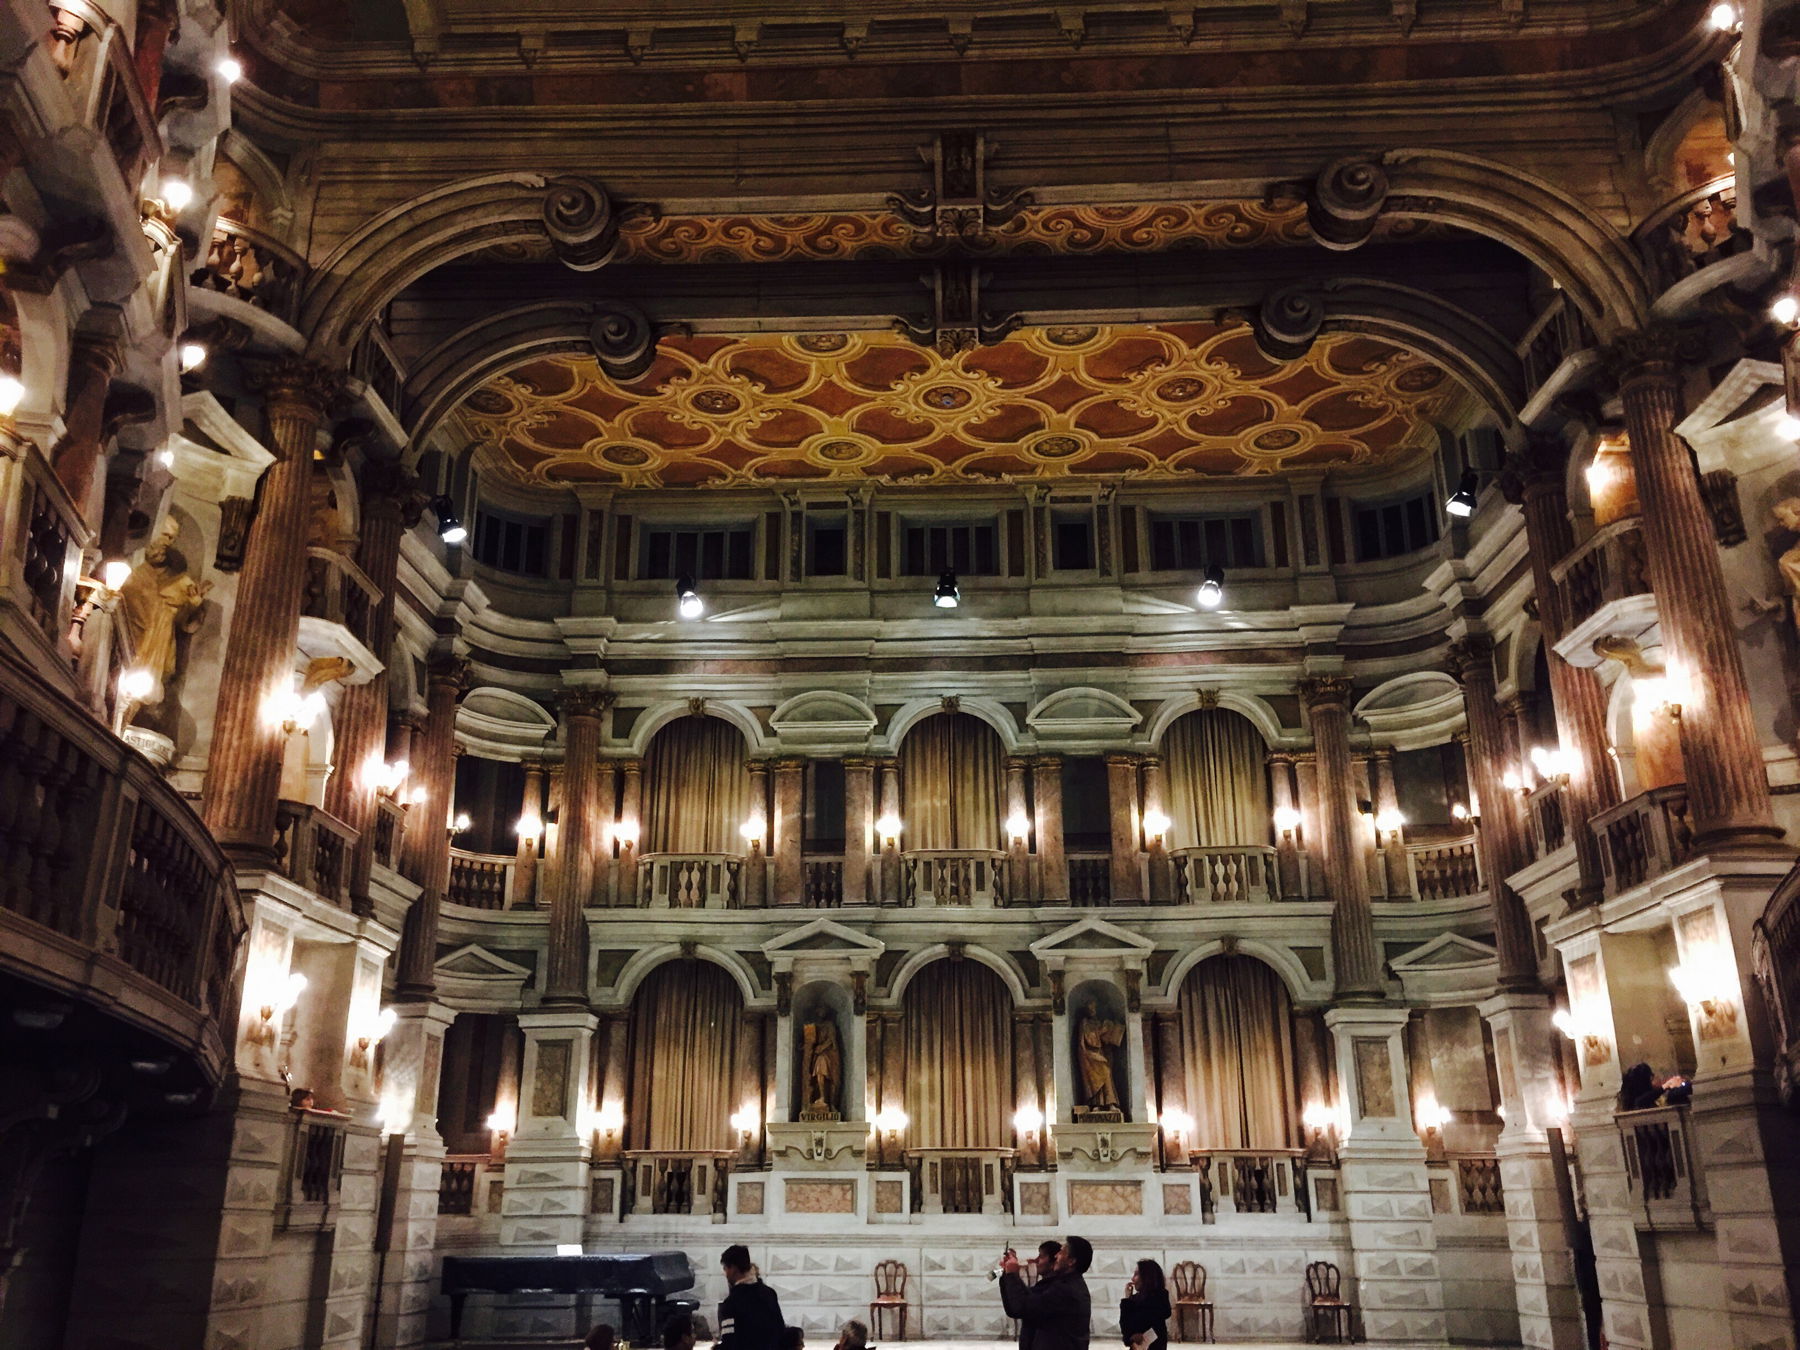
481	880
1224	876
690	880
1644	837
103	867
338	592
247	265
1555	335
313	850
1445	869
954	877
1607	567
1691	232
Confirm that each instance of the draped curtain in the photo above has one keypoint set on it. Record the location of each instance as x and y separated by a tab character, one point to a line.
685	1024
1237	1045
959	1073
1218	786
952	783
696	789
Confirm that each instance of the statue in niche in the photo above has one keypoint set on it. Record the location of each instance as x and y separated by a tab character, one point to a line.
160	603
1096	1038
822	1068
1787	515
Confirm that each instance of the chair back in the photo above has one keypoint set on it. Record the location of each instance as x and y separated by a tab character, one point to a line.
890	1279
1324	1283
1190	1282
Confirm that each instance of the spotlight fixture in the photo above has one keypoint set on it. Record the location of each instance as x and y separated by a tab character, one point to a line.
1462	501
1212	588
450	527
946	596
688	603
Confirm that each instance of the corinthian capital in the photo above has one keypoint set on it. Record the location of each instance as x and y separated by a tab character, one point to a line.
1540	465
296	385
1472	659
589	703
454	671
1657	350
1324	691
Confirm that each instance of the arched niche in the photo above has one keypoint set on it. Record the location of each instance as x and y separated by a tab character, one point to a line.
957	1057
987	710
816	1006
696	788
1101	1077
686	1075
1240	1083
925	957
952	783
654	718
1215	781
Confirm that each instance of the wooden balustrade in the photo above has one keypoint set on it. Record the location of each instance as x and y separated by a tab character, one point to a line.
375	364
1444	869
456	1185
1478	1186
953	877
695	1181
313	849
115	107
337	591
249	266
823	881
1610	565
47	563
1090	880
1224	876
1660	1168
315	1171
961	1180
690	880
98	849
481	880
390	832
1697	228
1546	828
1251	1181
1557	333
1644	837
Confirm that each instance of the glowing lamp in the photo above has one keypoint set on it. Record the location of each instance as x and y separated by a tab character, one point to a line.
177	193
12	394
754	830
1018	827
1028	1120
1212	589
688	603
1786	308
1724	17
1287	819
888	826
610	1118
625	833
230	69
1389	821
503	1119
192	355
114	573
891	1120
136	684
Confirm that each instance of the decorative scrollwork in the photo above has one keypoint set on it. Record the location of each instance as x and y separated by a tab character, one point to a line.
1287	323
624	342
581	223
1345	201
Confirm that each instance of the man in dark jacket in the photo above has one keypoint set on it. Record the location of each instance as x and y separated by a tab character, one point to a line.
750	1317
1056	1312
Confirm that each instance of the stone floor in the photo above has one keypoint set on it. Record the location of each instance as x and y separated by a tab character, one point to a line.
1098	1344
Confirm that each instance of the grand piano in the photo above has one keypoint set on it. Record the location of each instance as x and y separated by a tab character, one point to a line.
641	1282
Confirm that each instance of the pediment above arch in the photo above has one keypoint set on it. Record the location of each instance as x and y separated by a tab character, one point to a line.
1082	714
822	717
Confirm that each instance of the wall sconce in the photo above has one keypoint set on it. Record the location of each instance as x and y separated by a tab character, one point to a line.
280	994
395	1114
388	778
1553	766
754	830
888	828
1389	822
530	829
746	1121
1581	1027
1028	1120
372	1035
1431	1117
1287	820
1156	827
1018	827
460	823
1665	693
625	834
136	684
12	394
1708	985
610	1120
1515	779
892	1122
1460	812
417	794
1326	1126
1178	1126
502	1123
288	710
114	573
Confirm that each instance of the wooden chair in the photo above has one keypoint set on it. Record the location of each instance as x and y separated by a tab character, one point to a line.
1190	1298
1328	1317
890	1295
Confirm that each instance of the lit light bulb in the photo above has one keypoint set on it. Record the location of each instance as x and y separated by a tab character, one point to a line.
12	393
1389	821
1564	1021
888	826
136	684
1786	308
1017	826
230	69
754	830
1287	819
1787	426
625	833
891	1120
688	603
1724	17
1212	589
177	193
746	1120
462	824
503	1119
290	991
166	458
114	573
384	1023
610	1118
1459	812
1028	1120
192	356
1156	824
529	827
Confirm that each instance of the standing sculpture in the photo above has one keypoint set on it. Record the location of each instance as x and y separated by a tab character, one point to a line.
1096	1038
822	1060
159	604
1787	515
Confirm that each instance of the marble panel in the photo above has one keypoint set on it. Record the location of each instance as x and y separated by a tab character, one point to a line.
821	1197
1106	1197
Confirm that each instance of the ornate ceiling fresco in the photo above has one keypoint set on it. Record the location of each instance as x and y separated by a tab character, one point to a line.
1164	401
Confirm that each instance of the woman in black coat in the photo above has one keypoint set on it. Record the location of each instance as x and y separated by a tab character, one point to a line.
1145	1306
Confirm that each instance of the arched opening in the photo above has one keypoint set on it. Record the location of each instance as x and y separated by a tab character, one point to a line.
959	1056
696	790
480	1080
1215	764
1235	1023
687	1026
952	783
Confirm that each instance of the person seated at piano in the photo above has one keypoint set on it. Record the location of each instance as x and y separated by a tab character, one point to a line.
601	1337
678	1332
750	1317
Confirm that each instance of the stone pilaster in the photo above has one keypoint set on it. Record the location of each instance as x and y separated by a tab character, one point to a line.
1387	1196
891	881
1312	816
391	504
631	811
1019	888
1122	799
1534	478
1053	861
546	1197
94	358
787	826
428	839
859	827
412	1065
1160	871
1357	957
1498	837
530	843
1728	790
1392	844
578	842
243	777
1287	845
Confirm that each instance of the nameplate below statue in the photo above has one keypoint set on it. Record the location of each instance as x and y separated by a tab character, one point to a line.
1099	1115
816	1112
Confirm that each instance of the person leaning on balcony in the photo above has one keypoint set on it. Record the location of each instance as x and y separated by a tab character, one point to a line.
1057	1310
750	1317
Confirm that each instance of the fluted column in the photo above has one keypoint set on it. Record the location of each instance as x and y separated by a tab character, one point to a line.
1498	837
243	776
859	827
390	505
1160	872
1287	848
93	361
787	829
578	841
1053	861
1312	820
1358	959
530	842
631	812
1019	889
1390	844
1728	789
1122	799
1534	479
434	771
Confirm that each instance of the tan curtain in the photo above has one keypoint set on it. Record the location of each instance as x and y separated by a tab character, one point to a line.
959	1057
685	1024
696	789
1237	1044
952	776
1214	764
